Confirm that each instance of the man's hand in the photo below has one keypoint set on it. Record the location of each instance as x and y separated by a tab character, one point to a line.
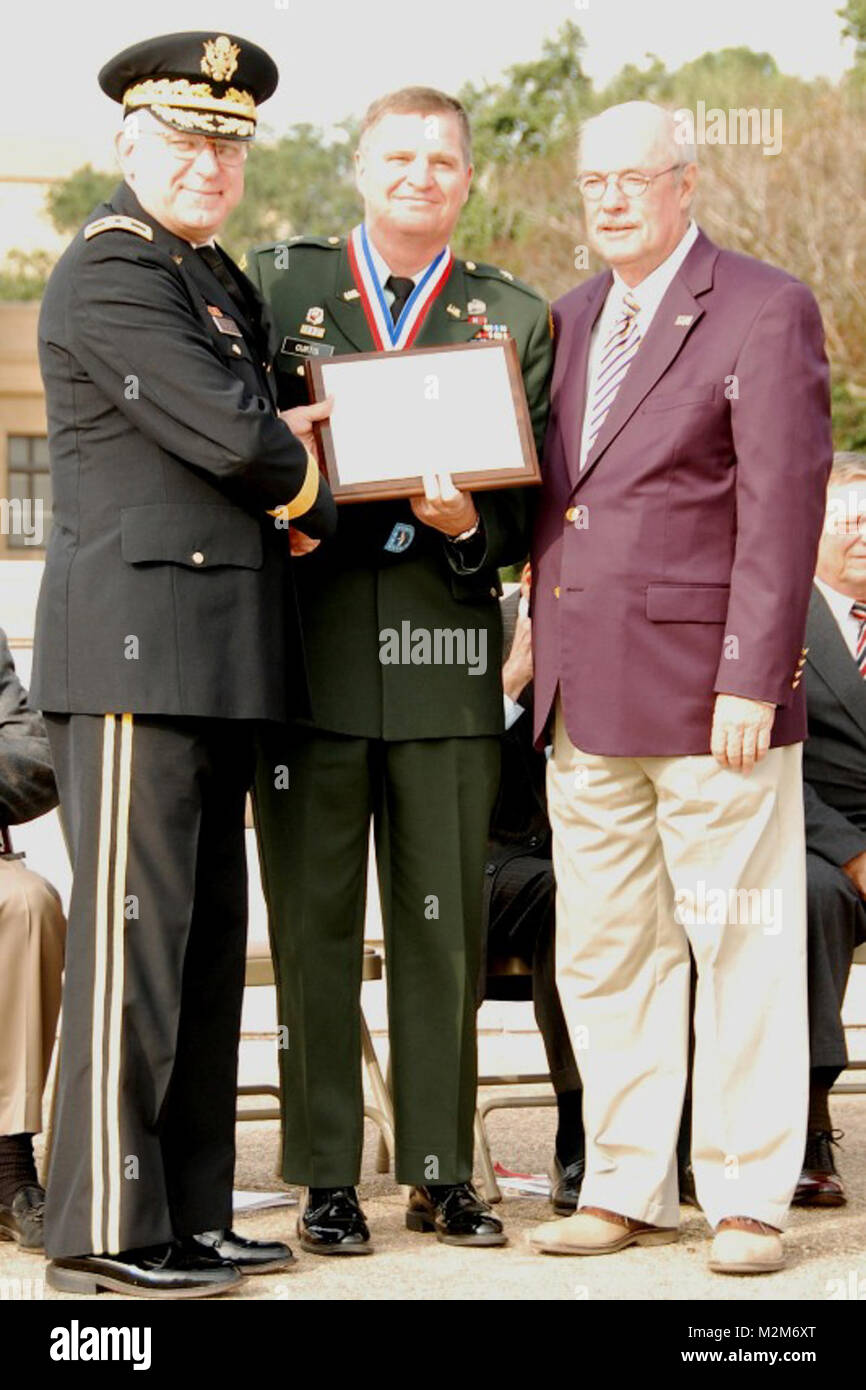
517	669
741	731
856	871
300	421
444	507
299	544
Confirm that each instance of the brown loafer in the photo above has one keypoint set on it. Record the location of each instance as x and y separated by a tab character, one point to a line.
744	1246
595	1231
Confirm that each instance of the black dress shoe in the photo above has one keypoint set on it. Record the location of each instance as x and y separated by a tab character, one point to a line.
250	1256
819	1184
21	1220
688	1191
332	1223
565	1184
456	1213
159	1271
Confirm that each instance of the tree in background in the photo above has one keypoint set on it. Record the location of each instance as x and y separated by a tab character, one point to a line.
853	16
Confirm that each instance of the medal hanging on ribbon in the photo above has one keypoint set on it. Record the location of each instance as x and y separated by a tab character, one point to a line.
387	335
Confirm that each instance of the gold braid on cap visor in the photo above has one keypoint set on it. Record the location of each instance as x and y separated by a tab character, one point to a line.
195	105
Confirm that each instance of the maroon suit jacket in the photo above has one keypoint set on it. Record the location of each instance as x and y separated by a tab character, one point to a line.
687	564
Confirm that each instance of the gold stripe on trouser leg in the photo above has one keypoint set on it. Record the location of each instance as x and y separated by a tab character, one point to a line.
100	951
115	1017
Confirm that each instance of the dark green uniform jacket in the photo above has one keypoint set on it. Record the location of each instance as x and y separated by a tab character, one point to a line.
351	589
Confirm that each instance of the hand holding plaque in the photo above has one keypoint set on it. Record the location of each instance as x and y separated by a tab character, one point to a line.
398	416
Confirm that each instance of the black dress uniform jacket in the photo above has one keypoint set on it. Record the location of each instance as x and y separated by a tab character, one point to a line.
166	454
834	756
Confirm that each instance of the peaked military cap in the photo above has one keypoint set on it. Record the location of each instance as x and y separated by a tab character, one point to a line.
199	81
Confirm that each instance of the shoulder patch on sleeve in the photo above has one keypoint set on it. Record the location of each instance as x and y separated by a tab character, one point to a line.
118	223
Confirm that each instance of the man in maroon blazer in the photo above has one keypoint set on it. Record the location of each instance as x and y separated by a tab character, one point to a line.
684	471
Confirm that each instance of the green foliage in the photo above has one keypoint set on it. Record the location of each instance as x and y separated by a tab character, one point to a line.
70	202
297	184
853	15
534	106
525	118
848	402
24	274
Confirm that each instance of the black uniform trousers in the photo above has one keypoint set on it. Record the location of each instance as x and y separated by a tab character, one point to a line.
836	924
521	921
143	1147
430	802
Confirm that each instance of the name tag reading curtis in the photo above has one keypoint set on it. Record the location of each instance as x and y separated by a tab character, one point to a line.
459	409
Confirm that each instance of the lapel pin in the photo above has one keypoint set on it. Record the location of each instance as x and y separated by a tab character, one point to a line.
683	320
452	310
476	306
315	314
351	294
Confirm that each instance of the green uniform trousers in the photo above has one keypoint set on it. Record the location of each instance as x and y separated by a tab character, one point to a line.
430	801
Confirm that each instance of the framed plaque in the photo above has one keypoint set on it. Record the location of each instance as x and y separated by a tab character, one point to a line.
459	409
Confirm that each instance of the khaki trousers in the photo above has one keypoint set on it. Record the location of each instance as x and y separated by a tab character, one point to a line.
32	937
652	855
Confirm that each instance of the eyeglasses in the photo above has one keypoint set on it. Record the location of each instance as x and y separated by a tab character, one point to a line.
186	148
631	184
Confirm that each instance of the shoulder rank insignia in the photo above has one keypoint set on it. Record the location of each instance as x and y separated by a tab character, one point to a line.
117	223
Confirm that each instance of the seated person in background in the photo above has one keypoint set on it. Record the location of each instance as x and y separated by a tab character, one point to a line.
519	893
834	769
32	937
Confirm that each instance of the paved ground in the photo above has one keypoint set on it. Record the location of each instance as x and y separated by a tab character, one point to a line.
827	1249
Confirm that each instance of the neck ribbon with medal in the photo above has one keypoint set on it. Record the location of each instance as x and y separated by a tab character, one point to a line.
387	335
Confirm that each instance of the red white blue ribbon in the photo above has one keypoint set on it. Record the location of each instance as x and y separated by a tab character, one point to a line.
387	335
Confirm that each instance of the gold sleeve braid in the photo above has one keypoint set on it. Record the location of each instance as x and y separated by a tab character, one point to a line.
306	495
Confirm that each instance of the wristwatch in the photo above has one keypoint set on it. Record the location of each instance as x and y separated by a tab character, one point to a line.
467	535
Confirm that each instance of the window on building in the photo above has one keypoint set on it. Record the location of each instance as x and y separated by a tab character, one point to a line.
26	516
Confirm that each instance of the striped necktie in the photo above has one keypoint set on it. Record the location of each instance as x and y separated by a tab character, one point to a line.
858	611
616	356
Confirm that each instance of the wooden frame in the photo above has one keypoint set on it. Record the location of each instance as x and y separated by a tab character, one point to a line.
526	471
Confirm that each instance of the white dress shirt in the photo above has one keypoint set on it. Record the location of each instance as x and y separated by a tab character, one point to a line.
840	607
649	295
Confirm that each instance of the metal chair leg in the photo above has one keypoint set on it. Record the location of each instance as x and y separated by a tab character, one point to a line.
381	1112
383	1155
490	1188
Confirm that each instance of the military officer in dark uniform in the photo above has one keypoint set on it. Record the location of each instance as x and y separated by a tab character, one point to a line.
166	579
415	748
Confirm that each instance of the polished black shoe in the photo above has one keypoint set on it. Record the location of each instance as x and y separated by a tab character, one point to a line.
819	1185
456	1213
566	1181
21	1219
332	1223
159	1271
688	1191
250	1256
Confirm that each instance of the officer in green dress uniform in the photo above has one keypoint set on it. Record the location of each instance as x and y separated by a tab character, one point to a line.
412	747
153	665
